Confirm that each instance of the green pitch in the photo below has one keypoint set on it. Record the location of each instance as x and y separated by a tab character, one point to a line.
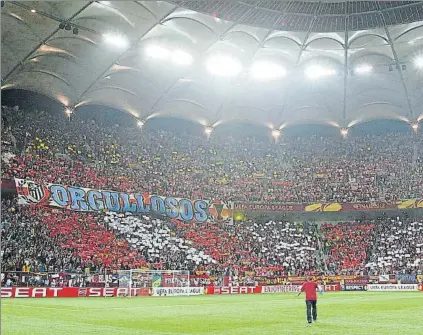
338	313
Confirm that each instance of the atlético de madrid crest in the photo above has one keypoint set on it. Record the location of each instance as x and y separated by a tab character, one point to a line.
33	193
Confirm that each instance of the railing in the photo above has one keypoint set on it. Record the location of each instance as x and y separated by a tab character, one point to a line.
112	279
49	279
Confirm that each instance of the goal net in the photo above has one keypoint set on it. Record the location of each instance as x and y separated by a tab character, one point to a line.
155	282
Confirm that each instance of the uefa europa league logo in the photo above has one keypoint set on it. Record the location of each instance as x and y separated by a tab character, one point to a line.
219	210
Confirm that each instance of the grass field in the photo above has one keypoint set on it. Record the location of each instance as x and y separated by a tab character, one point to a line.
338	313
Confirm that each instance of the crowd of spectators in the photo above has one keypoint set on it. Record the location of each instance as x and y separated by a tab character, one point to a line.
100	154
347	244
285	247
28	246
382	246
42	239
157	240
397	245
92	153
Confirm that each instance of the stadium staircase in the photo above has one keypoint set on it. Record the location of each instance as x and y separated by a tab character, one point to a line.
321	256
321	253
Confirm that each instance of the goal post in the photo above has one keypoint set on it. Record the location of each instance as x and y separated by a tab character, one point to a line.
156	282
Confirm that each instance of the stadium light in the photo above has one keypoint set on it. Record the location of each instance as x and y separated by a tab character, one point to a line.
181	57
317	71
276	133
415	126
158	52
344	132
262	70
418	62
116	40
364	69
208	130
68	112
140	123
222	65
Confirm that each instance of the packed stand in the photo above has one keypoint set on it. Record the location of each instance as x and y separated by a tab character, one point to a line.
28	248
157	240
347	245
277	247
42	239
397	246
51	240
100	154
288	248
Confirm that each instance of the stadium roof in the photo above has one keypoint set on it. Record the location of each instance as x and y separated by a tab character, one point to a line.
269	62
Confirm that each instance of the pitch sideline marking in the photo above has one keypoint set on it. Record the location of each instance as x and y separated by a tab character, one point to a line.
160	306
178	305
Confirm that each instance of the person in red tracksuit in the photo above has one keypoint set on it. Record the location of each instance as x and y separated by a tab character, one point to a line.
310	287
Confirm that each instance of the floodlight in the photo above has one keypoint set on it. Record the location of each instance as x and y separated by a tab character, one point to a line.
208	130
344	132
222	65
317	71
415	126
181	57
262	70
418	62
140	123
117	40
276	133
156	51
364	69
33	11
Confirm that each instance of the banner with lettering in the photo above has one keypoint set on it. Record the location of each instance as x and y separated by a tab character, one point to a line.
261	207
330	207
202	280
86	199
406	278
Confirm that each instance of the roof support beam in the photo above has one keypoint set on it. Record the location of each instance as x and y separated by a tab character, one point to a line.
122	54
222	35
45	40
402	6
344	104
280	18
156	103
288	90
261	44
54	18
398	67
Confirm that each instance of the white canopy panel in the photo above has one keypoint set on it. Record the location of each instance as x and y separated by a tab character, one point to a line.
153	59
